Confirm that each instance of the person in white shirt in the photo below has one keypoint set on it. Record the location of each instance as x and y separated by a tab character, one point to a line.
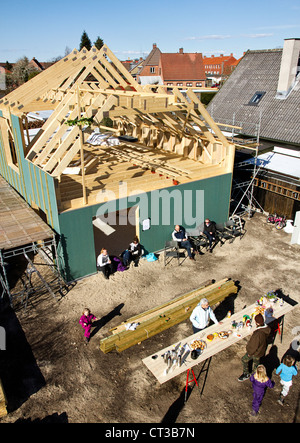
201	316
104	263
181	237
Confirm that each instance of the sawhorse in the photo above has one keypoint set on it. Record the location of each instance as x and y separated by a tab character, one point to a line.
189	381
194	377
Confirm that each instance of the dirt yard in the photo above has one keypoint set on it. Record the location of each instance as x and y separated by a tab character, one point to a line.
49	374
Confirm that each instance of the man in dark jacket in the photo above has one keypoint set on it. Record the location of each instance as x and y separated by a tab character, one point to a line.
256	347
209	230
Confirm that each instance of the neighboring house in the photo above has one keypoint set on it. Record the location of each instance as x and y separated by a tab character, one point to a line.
262	95
3	78
261	99
34	64
182	69
149	74
219	68
136	67
159	165
173	69
40	66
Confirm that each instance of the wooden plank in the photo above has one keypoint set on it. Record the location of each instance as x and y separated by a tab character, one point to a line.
49	127
39	85
53	141
208	118
66	159
159	309
121	68
58	153
157	366
162	319
154	321
172	317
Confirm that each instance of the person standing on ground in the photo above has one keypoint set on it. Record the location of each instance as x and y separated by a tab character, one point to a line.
260	382
86	321
256	347
201	316
286	370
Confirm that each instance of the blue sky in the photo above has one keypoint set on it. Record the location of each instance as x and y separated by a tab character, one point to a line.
44	29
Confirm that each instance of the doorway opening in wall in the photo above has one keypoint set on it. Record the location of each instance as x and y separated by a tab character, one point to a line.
116	236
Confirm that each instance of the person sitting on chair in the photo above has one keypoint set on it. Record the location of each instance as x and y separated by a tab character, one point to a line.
180	236
209	230
104	263
133	253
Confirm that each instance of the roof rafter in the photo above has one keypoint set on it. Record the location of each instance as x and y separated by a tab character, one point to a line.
95	84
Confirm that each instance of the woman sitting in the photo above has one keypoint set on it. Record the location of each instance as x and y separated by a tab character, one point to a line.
133	253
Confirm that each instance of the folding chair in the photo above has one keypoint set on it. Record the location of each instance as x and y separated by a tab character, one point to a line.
199	241
220	233
232	229
171	251
237	226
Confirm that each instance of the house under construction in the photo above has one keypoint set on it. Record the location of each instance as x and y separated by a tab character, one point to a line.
114	147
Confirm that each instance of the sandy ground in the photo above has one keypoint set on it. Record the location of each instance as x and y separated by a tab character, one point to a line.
50	375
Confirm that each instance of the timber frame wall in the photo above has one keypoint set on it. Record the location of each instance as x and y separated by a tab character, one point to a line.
178	143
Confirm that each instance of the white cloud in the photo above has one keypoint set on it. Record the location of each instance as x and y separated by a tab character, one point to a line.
209	37
256	35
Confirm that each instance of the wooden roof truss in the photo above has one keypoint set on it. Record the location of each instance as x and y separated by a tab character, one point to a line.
95	84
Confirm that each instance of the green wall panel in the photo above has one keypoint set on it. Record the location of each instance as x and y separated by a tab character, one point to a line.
31	182
77	239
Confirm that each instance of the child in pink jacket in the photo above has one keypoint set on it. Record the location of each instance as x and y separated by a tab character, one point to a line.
86	321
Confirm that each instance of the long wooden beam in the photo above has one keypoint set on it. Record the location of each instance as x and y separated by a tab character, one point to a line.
163	317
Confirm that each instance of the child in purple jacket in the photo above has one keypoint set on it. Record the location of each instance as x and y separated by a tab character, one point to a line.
86	321
260	381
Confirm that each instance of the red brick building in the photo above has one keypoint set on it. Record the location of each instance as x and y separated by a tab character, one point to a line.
173	69
218	68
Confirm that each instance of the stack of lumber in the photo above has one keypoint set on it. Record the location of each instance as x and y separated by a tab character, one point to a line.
164	316
3	402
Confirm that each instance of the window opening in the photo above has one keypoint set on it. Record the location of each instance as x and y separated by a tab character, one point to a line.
12	149
256	98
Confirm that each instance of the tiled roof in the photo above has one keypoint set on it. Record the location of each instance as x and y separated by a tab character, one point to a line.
219	60
258	71
182	66
153	58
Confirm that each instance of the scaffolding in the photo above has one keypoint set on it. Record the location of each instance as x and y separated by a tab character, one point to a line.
235	130
35	278
29	263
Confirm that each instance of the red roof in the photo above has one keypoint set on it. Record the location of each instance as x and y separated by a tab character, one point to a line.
182	66
227	59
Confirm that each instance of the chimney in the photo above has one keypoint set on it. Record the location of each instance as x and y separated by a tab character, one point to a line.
154	46
180	50
289	68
